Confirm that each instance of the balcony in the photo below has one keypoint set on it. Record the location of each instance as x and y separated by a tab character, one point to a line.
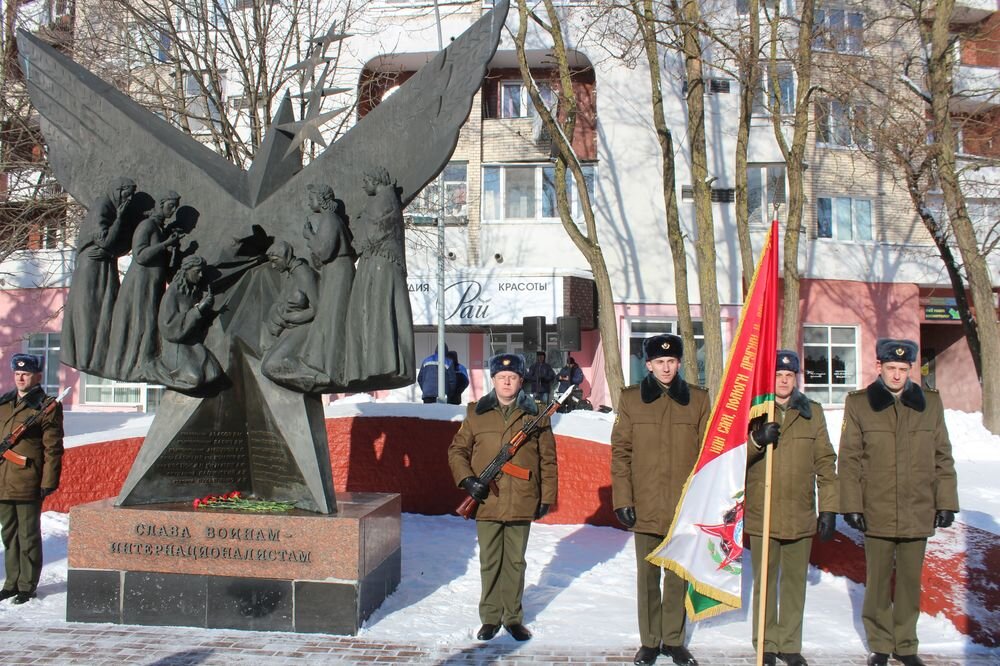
977	89
972	11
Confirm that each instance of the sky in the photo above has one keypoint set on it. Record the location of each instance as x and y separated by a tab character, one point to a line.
580	586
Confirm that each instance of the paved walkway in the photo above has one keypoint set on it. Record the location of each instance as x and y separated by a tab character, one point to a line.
113	645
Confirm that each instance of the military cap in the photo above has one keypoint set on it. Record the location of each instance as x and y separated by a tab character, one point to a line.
27	363
903	351
787	360
507	363
663	345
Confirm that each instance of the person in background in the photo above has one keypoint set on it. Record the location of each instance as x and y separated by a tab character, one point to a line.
461	379
503	520
22	489
802	459
897	485
427	377
540	377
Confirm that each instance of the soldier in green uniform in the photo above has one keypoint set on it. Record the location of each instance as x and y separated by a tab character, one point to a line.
897	484
504	517
803	459
654	446
22	489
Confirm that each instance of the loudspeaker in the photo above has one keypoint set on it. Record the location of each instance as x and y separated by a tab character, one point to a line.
534	334
569	333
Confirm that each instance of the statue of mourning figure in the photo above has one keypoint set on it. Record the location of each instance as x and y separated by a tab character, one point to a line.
155	252
380	340
105	235
295	304
183	363
311	358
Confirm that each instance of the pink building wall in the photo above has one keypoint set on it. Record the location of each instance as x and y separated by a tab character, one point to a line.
24	312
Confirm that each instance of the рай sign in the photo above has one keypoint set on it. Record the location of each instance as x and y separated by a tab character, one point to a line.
486	300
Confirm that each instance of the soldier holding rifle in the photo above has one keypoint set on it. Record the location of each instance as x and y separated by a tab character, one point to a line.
522	493
29	471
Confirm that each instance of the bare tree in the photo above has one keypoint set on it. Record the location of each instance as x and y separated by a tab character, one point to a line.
648	28
937	39
217	69
561	125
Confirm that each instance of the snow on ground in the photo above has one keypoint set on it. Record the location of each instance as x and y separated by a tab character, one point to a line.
580	579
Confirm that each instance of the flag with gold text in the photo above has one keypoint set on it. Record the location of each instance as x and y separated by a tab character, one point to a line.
705	542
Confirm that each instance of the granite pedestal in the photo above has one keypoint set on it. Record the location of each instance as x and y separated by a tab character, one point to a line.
174	565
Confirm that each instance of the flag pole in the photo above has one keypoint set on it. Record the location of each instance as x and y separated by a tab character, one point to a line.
766	527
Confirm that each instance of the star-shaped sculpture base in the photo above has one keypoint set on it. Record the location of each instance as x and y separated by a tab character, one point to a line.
253	436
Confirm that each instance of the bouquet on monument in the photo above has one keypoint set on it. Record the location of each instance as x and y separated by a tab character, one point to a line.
236	501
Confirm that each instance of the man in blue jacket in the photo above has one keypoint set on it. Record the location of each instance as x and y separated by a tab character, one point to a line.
427	377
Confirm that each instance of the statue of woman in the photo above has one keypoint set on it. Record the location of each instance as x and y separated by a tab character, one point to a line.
104	236
311	358
133	328
183	362
380	346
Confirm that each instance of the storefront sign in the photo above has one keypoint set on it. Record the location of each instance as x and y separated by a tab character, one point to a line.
938	312
486	300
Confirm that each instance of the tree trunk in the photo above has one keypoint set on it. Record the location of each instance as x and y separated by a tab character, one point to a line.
566	159
708	283
749	83
646	20
976	268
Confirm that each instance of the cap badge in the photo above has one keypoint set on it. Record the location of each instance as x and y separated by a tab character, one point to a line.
665	345
506	361
785	360
20	364
900	351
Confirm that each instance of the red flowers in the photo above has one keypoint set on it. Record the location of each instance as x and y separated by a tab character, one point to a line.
236	501
216	500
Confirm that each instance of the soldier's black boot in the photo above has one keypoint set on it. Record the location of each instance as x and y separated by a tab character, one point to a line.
770	659
878	659
909	659
487	631
679	654
7	594
518	632
646	656
793	659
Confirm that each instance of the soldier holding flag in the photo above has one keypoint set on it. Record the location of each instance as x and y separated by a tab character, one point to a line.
803	457
654	446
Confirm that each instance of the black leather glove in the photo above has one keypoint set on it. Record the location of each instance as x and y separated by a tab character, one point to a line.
857	521
765	433
944	518
626	516
45	492
476	489
826	525
542	510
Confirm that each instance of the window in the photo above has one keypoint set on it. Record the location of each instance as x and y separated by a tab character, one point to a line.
830	362
200	106
840	124
101	391
516	103
781	91
788	6
765	188
839	30
639	330
718	194
528	192
428	206
844	218
47	345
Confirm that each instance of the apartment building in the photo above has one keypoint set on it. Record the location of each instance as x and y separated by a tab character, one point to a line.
869	269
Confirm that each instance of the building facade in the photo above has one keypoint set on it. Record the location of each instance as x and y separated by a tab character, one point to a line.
868	267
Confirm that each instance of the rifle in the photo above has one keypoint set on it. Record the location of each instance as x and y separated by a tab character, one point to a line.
502	461
15	435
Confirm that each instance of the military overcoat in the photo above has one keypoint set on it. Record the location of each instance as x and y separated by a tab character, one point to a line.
483	432
41	444
895	464
654	446
803	460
